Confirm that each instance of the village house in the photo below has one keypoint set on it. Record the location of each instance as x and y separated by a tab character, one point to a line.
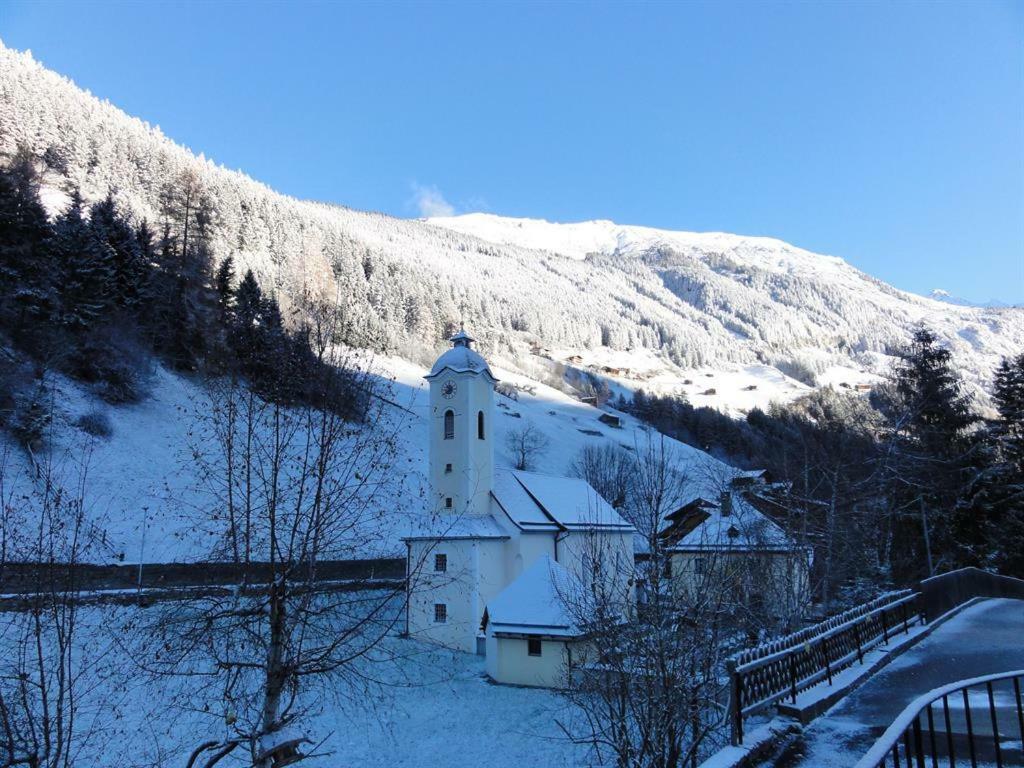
719	533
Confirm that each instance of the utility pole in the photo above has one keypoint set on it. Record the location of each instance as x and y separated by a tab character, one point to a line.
142	549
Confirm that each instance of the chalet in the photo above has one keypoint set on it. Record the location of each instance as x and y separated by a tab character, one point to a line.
728	533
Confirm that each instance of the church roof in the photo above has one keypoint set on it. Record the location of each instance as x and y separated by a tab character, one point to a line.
536	603
534	501
461	358
454	526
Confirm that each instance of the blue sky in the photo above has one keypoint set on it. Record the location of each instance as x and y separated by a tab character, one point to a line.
889	134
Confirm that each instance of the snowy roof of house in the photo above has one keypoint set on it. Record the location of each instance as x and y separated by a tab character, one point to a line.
546	502
536	602
745	528
456	526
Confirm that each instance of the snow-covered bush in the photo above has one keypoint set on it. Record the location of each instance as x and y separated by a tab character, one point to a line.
95	423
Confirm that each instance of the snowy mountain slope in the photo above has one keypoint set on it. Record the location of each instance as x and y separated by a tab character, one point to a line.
143	491
692	302
765	292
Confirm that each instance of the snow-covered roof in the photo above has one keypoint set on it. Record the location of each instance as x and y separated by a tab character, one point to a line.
536	602
546	502
744	528
462	526
512	500
461	358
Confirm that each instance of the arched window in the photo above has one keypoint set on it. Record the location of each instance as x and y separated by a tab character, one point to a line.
480	425
449	425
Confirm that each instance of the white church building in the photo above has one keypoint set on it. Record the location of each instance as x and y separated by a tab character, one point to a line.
507	554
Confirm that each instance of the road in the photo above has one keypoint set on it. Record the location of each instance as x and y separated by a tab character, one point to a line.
983	639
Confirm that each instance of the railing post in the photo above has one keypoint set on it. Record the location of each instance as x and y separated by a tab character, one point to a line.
995	724
949	732
970	729
792	676
736	680
918	743
1020	709
906	625
885	627
856	637
828	664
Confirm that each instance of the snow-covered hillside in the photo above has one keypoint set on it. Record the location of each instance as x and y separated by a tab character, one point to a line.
673	306
144	495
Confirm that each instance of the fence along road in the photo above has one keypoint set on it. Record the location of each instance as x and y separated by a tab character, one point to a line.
985	638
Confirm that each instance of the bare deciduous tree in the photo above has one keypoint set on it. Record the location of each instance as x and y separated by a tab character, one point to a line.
293	486
646	689
526	445
46	674
609	470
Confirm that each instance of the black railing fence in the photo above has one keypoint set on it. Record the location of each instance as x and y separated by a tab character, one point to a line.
977	722
785	667
941	594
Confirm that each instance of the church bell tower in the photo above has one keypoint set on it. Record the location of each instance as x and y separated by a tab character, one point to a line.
461	429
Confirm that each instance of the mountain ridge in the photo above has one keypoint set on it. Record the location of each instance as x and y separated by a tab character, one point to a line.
693	300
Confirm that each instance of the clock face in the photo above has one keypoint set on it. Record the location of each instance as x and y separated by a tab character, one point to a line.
448	390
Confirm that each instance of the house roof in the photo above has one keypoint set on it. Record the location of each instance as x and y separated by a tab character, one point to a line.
534	501
536	602
701	525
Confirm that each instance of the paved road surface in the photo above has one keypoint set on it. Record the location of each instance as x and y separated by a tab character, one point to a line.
984	639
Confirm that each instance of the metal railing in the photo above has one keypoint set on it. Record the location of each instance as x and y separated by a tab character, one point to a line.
783	668
941	594
943	728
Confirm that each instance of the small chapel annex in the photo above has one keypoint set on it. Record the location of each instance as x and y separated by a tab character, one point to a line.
495	571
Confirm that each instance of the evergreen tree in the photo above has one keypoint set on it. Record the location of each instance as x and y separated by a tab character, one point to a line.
931	463
997	495
1008	393
223	285
85	267
27	294
113	230
247	323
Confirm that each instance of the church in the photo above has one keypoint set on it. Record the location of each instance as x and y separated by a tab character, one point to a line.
509	558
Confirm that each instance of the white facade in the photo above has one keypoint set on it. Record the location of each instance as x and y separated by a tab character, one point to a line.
461	444
498	536
512	660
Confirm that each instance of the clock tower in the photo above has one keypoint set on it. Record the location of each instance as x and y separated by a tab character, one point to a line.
461	429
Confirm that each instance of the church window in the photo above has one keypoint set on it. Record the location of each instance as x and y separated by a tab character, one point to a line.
447	469
440	613
480	425
533	646
449	425
699	566
440	563
448	502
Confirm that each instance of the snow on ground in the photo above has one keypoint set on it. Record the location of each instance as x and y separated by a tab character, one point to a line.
143	495
427	707
732	389
569	424
579	239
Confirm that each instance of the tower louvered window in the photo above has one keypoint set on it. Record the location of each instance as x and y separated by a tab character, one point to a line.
449	425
